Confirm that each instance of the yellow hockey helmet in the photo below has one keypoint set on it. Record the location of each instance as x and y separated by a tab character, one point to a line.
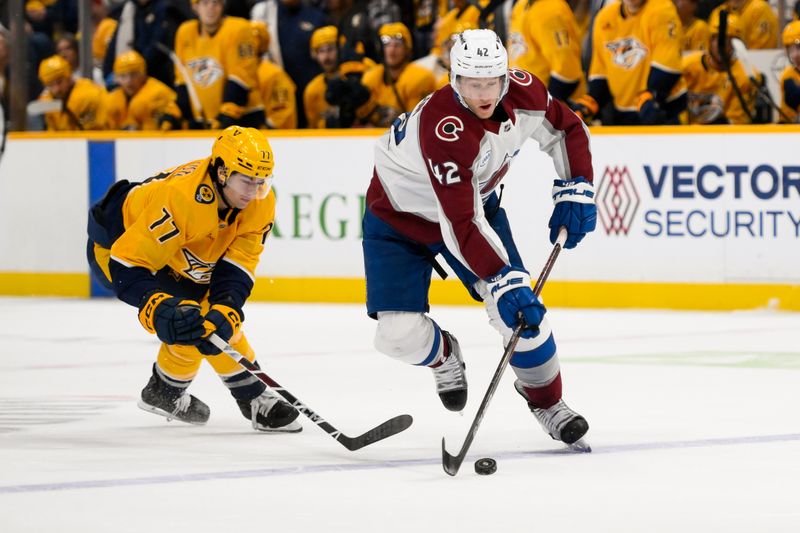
395	30
322	36
734	29
448	31
791	33
54	68
244	150
261	34
129	62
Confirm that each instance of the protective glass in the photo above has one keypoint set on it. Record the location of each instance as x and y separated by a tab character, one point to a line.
244	184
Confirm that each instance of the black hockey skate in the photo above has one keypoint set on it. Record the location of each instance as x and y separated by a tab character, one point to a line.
560	422
451	380
174	403
270	413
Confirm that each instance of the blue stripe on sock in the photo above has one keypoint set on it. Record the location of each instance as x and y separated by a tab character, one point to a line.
437	339
102	175
536	357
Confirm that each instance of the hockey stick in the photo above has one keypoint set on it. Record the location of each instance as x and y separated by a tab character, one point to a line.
40	107
196	104
451	463
391	427
741	52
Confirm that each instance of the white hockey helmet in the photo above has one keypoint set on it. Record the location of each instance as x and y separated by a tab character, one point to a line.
478	54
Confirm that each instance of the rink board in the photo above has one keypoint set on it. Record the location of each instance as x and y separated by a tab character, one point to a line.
692	218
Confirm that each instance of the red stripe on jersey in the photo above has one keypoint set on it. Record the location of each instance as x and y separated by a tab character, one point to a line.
527	92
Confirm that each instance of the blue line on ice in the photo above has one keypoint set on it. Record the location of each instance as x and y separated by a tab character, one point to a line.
378	465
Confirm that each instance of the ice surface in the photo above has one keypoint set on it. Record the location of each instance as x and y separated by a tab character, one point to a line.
694	425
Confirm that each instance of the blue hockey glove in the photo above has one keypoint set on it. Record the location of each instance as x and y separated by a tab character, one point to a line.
511	290
173	320
574	209
225	322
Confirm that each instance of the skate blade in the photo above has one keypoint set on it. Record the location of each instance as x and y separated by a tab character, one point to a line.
291	427
160	412
580	446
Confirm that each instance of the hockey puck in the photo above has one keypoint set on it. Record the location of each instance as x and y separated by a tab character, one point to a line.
485	466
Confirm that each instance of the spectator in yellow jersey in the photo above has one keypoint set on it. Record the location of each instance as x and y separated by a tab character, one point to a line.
439	64
278	91
396	85
636	65
790	77
695	30
336	98
219	53
140	102
462	12
182	247
720	90
758	20
101	39
83	103
323	47
543	40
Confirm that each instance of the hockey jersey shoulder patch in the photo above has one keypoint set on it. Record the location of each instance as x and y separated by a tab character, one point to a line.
204	194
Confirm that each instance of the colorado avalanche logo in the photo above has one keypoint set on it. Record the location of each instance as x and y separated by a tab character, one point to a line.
522	77
447	129
627	52
205	71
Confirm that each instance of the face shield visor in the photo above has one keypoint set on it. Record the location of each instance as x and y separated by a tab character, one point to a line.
480	88
246	185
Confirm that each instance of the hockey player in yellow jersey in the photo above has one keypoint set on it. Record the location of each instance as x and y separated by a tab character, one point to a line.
182	247
462	12
758	20
140	102
713	99
636	64
396	85
438	60
335	98
83	101
695	30
790	77
276	87
543	39
219	53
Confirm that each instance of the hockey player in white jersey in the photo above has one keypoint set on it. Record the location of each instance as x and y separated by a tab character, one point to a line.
433	192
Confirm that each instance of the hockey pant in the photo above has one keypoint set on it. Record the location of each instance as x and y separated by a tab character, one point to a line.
398	271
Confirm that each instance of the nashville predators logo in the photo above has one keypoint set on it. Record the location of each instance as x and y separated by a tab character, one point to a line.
206	71
627	52
198	270
204	194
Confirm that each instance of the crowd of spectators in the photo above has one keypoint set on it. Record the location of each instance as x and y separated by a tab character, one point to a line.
285	64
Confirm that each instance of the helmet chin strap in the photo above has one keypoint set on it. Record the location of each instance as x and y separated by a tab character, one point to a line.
221	168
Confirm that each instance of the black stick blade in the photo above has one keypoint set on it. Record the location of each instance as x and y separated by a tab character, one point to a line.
451	463
387	429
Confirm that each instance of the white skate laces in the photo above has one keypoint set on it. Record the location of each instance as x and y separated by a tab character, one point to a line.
182	404
451	380
555	418
262	404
